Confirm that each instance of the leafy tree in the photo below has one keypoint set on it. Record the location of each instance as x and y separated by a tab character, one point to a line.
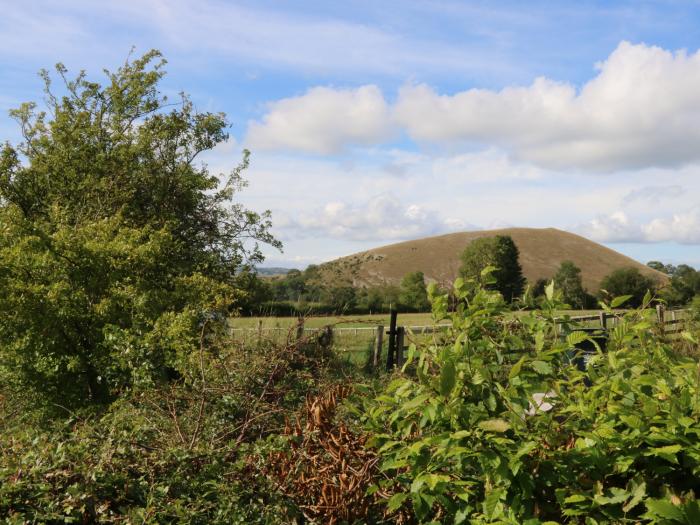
413	291
118	248
685	284
539	287
371	299
568	281
502	253
340	298
295	284
658	266
628	281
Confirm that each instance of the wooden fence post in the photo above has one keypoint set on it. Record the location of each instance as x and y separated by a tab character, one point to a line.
300	328
660	313
392	341
400	332
378	340
603	320
259	331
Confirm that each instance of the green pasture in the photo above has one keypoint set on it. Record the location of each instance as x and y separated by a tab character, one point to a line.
354	321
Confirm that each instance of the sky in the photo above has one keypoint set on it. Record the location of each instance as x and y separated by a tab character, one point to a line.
374	122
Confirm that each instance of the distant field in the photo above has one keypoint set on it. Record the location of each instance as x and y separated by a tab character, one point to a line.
354	321
353	345
344	321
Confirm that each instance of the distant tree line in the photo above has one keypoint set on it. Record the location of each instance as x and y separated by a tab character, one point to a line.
305	292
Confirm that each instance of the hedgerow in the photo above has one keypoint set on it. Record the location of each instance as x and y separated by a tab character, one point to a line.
465	434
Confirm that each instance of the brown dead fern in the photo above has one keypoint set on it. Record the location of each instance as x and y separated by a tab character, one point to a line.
327	469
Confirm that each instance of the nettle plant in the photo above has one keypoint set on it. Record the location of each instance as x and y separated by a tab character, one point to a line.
494	422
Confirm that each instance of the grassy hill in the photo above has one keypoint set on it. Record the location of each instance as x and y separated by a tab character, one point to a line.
541	253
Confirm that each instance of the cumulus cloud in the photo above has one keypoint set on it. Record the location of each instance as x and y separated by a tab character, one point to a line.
382	218
323	120
616	227
641	110
683	228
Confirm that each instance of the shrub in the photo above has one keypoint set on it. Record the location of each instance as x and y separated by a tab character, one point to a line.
186	452
468	440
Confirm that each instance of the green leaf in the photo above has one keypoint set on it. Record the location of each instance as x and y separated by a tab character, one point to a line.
619	301
494	425
541	367
447	377
577	337
491	501
662	508
668	452
396	501
637	495
515	369
539	342
415	402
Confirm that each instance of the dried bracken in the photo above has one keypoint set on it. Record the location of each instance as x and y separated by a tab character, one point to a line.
328	468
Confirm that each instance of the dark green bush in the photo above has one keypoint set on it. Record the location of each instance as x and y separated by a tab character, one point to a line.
466	441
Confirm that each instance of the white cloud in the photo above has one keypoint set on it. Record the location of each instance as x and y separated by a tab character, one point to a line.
382	218
323	120
616	227
641	110
683	228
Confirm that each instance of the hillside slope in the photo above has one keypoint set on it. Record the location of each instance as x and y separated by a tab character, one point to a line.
541	253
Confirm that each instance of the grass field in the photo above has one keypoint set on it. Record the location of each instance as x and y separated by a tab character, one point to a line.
353	345
343	321
353	321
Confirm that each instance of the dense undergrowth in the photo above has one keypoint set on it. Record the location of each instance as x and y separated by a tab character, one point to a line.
265	434
467	439
189	451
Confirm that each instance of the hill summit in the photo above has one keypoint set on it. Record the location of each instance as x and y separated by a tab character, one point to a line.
438	257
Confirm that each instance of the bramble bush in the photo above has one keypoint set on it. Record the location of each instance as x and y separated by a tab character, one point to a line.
466	439
191	451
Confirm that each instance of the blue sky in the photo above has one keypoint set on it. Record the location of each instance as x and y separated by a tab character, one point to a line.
374	122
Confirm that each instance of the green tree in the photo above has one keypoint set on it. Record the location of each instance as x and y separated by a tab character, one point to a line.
658	266
119	248
371	299
685	284
568	281
340	298
413	292
500	252
627	281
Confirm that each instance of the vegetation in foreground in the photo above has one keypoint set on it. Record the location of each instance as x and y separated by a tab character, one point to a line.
257	434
